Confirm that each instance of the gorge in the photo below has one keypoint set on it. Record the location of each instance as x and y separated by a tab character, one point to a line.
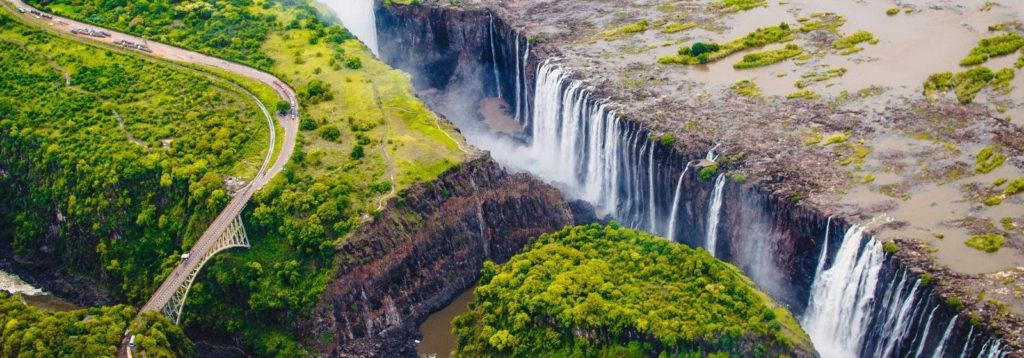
854	298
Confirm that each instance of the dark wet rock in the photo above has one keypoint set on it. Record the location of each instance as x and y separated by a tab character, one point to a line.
426	248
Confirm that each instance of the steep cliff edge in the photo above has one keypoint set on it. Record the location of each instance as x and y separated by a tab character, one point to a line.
427	246
781	214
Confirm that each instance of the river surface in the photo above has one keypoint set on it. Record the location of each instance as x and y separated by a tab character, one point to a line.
32	295
437	329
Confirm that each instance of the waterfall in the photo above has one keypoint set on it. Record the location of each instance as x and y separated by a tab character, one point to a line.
945	337
518	78
650	196
924	336
713	214
525	104
359	18
896	318
841	296
711	154
675	205
967	342
494	55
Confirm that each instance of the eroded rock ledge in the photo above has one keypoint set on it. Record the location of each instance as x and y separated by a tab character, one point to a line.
427	247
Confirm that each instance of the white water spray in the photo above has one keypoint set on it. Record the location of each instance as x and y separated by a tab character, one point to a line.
714	214
358	17
841	296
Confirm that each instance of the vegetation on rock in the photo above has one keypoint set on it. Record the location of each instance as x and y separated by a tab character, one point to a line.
993	47
611	291
700	53
986	242
747	88
768	57
27	331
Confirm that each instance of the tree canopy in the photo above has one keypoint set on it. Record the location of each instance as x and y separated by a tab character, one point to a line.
612	291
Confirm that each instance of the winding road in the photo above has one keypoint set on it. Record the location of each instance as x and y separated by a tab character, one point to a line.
289	122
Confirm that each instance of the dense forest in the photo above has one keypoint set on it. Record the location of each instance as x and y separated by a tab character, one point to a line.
361	127
112	165
27	331
612	291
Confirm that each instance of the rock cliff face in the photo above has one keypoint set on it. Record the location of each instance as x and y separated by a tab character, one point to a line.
428	246
774	237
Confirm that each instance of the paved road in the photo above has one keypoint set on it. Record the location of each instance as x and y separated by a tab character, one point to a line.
267	171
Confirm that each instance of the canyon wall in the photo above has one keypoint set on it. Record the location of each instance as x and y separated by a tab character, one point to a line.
427	247
626	172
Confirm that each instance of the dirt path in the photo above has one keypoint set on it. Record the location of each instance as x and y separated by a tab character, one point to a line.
384	146
120	123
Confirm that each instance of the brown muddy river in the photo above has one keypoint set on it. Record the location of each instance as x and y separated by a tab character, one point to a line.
438	339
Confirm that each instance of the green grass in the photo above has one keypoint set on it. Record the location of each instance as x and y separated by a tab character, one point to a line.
836	139
805	94
746	88
625	30
823	21
674	27
758	38
851	41
966	84
987	160
993	47
739	5
766	58
986	242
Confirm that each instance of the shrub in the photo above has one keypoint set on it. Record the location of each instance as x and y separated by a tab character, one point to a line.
707	172
955	304
892	11
986	242
330	133
890	247
357	152
700	47
667	140
987	160
283	106
353	63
